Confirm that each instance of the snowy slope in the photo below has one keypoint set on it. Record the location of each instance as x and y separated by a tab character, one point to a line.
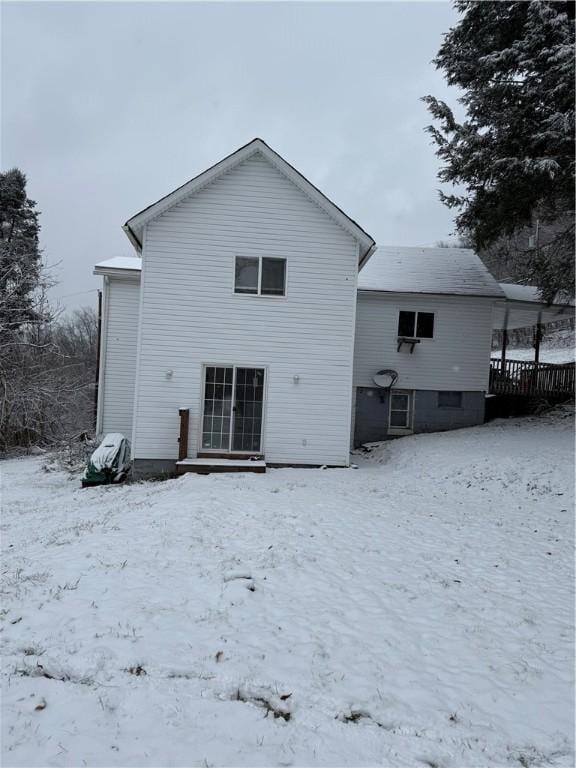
416	611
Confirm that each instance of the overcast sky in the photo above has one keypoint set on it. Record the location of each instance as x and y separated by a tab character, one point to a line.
108	106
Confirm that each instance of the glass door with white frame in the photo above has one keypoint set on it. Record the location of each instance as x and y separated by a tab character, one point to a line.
233	409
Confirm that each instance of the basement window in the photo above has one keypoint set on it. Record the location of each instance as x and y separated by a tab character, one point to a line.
449	399
416	325
260	276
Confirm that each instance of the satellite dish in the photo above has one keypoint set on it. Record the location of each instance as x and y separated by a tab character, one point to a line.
385	379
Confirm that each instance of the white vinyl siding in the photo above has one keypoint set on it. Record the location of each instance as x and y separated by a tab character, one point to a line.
118	355
456	359
191	315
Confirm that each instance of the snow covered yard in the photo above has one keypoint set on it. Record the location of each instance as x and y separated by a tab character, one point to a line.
416	611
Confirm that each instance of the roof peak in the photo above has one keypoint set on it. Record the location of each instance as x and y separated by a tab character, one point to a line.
134	227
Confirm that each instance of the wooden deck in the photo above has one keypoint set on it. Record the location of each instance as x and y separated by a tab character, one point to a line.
529	379
207	466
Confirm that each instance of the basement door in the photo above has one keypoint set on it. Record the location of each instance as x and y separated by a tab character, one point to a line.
233	409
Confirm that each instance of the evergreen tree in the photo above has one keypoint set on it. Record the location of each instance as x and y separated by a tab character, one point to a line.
20	262
513	153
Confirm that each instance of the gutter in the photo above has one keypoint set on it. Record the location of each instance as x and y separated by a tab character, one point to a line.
102	361
380	291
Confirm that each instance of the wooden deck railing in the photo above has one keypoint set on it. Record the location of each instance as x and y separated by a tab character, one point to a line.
520	377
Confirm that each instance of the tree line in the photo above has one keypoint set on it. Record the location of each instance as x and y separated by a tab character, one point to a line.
509	159
47	361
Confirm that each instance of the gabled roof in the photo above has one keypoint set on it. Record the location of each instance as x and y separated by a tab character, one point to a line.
135	226
449	271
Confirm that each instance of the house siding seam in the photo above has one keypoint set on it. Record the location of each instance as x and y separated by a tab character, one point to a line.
118	365
191	316
457	358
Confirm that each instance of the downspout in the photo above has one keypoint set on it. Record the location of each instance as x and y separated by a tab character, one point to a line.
97	382
102	356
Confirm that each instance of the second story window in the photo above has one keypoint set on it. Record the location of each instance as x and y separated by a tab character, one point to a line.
260	276
416	325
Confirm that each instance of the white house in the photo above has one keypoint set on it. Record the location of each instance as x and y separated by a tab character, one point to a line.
252	308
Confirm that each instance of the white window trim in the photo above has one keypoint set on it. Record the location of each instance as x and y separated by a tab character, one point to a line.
416	313
260	295
402	430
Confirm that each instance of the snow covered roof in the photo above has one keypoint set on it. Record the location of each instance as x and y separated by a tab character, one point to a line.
134	226
452	271
531	293
524	307
516	292
118	264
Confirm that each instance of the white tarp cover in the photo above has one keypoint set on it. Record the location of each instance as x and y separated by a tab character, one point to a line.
107	451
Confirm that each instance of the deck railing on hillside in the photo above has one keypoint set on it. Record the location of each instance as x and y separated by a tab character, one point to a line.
521	377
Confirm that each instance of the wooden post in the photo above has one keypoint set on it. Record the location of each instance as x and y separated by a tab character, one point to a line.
183	439
538	339
504	343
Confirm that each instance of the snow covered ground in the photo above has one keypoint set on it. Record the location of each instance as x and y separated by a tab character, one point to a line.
416	611
558	347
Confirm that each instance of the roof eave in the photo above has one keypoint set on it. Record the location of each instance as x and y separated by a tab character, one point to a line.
132	237
367	255
439	294
116	272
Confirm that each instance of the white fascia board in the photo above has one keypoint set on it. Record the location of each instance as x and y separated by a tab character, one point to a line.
131	274
429	294
367	256
132	237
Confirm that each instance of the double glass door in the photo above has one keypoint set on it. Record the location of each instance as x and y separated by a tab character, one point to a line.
233	407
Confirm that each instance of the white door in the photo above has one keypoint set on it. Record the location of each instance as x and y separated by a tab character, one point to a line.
233	409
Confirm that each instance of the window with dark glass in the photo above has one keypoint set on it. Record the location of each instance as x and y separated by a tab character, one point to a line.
406	324
246	280
416	325
273	277
425	325
260	276
449	399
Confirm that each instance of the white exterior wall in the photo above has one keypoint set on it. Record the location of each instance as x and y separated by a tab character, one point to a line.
121	300
456	359
190	316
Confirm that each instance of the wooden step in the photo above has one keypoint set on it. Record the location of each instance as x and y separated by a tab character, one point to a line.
206	466
228	455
